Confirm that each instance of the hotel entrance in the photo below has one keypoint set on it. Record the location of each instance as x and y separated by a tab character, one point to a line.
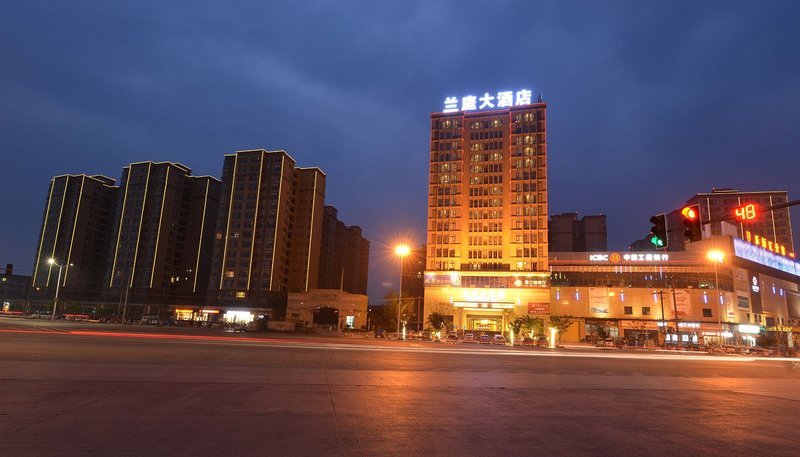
484	323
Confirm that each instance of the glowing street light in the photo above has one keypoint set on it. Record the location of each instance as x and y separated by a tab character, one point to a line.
402	250
717	257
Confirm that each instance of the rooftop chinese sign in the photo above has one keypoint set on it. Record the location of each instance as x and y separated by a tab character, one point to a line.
505	99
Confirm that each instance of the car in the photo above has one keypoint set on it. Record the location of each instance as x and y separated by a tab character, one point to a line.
607	343
452	337
484	339
528	341
498	339
424	336
541	341
469	338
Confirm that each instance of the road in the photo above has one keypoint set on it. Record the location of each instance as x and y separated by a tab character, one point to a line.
81	389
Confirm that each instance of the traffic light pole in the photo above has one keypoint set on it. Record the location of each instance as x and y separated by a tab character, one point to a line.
763	210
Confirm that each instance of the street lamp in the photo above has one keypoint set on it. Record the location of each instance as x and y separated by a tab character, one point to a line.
51	261
402	251
717	257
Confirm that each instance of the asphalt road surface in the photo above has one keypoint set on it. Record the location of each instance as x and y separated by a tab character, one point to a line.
102	390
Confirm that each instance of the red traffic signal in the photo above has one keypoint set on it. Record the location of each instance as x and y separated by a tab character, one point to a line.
691	220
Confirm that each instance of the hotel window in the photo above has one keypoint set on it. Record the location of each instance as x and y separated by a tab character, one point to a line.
707	312
628	310
645	310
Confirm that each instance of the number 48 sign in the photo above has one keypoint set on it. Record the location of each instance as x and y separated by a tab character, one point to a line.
746	213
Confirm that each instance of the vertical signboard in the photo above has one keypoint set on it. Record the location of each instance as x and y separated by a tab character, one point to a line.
683	303
598	300
755	293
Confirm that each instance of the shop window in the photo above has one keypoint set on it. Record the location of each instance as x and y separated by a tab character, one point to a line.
629	310
707	312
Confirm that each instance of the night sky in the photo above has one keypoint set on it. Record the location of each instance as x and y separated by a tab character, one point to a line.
648	103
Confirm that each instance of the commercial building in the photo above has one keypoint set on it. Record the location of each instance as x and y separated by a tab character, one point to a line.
638	295
75	232
162	235
327	307
567	233
718	213
13	290
268	230
487	209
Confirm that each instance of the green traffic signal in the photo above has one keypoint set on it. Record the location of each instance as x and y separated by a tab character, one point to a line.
658	232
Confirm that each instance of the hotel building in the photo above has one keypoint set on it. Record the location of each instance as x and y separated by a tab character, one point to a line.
162	234
268	230
487	248
75	232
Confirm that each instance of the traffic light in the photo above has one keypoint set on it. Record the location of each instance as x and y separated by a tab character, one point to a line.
691	220
658	232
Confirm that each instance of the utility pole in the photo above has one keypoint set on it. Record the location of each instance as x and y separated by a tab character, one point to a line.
663	318
675	305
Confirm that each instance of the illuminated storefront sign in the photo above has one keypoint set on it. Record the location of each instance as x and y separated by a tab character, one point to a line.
767	244
504	99
749	328
631	257
450	279
762	256
484	295
478	305
538	308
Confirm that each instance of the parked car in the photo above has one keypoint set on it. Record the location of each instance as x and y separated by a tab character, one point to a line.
498	339
452	337
484	339
469	338
528	341
606	343
542	341
425	336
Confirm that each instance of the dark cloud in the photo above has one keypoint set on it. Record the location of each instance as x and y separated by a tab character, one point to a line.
649	102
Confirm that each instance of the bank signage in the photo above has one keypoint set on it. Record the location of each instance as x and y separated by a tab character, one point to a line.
503	99
615	257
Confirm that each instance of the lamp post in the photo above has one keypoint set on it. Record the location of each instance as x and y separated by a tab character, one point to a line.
51	261
402	251
717	257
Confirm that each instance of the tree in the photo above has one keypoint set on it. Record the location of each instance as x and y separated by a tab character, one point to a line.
602	332
532	325
514	326
437	320
561	324
387	317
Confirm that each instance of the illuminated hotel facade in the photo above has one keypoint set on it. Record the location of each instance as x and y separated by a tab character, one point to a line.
487	255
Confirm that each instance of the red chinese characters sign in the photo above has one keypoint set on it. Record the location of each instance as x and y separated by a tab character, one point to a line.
538	308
